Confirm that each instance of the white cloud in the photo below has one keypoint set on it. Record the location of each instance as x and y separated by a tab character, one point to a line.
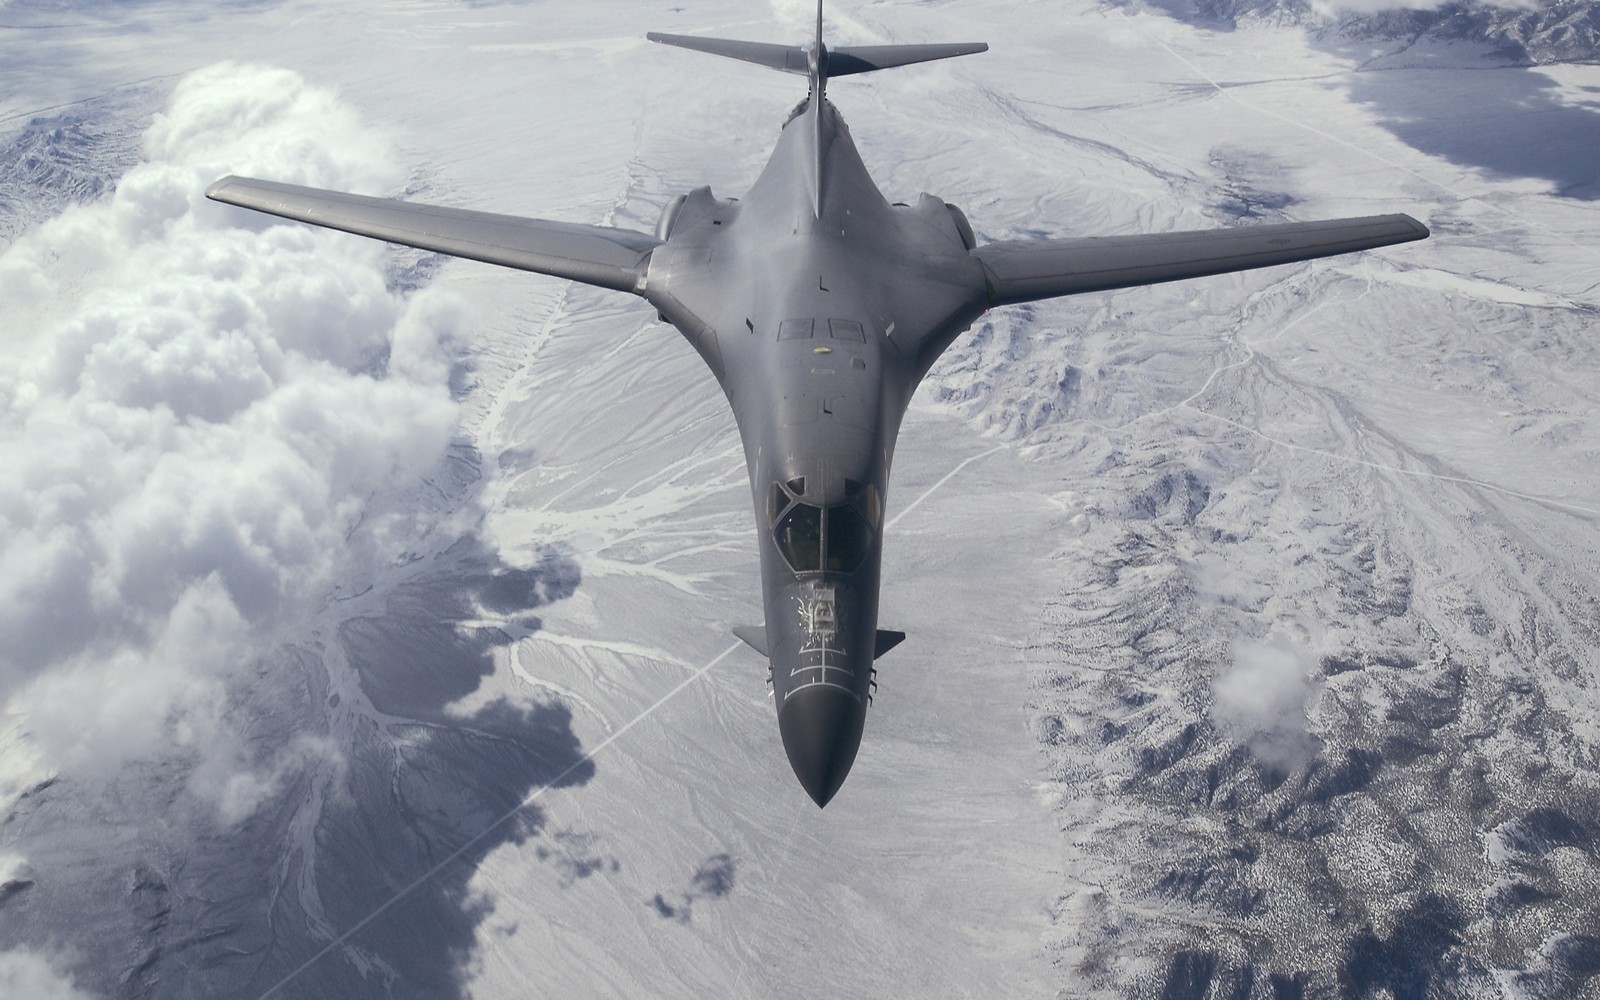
202	412
26	974
796	16
1262	698
12	866
238	791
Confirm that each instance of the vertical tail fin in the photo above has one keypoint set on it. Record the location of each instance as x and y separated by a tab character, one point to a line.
819	86
818	60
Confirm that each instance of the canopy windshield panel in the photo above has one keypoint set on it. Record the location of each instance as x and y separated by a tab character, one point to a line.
799	535
849	538
812	539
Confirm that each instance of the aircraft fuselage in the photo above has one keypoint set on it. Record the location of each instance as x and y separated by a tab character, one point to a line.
818	339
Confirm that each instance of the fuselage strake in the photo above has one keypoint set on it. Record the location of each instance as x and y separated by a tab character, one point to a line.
840	303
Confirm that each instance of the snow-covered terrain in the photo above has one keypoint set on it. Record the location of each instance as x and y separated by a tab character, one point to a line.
366	615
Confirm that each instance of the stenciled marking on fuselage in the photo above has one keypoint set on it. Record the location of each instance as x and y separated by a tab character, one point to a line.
818	656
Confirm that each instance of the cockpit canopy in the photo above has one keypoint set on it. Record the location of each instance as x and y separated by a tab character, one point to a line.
817	539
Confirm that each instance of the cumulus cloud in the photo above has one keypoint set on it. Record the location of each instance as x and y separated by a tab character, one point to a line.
12	867
202	411
27	974
796	15
1262	696
238	791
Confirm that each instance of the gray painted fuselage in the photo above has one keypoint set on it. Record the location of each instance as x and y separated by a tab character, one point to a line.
818	325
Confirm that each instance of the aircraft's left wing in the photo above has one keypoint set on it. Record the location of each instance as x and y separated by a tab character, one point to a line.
1026	270
594	255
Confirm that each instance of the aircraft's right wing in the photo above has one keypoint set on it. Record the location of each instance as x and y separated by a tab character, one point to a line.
594	255
1026	270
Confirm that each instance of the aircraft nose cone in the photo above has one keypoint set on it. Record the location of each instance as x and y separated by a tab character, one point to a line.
821	729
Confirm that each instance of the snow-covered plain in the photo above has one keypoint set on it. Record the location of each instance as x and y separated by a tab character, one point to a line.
1253	620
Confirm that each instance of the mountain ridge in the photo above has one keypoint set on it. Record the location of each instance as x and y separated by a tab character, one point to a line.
1556	31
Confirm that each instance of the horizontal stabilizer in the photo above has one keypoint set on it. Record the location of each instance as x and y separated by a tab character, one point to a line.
849	59
887	640
788	58
754	636
843	61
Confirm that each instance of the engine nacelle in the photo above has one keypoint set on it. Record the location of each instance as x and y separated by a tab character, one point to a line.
944	217
963	227
669	215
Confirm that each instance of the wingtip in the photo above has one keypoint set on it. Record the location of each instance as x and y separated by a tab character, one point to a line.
1413	229
214	192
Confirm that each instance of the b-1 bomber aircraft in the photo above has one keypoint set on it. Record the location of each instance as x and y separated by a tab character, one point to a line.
818	306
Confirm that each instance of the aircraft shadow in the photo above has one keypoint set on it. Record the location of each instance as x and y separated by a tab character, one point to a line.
1508	121
1487	109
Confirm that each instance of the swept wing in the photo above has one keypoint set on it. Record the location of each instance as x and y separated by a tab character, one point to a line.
1026	270
594	255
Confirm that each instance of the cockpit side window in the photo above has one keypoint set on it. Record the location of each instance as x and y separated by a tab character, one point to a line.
799	535
849	538
777	501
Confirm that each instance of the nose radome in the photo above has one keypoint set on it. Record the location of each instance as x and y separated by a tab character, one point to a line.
821	727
